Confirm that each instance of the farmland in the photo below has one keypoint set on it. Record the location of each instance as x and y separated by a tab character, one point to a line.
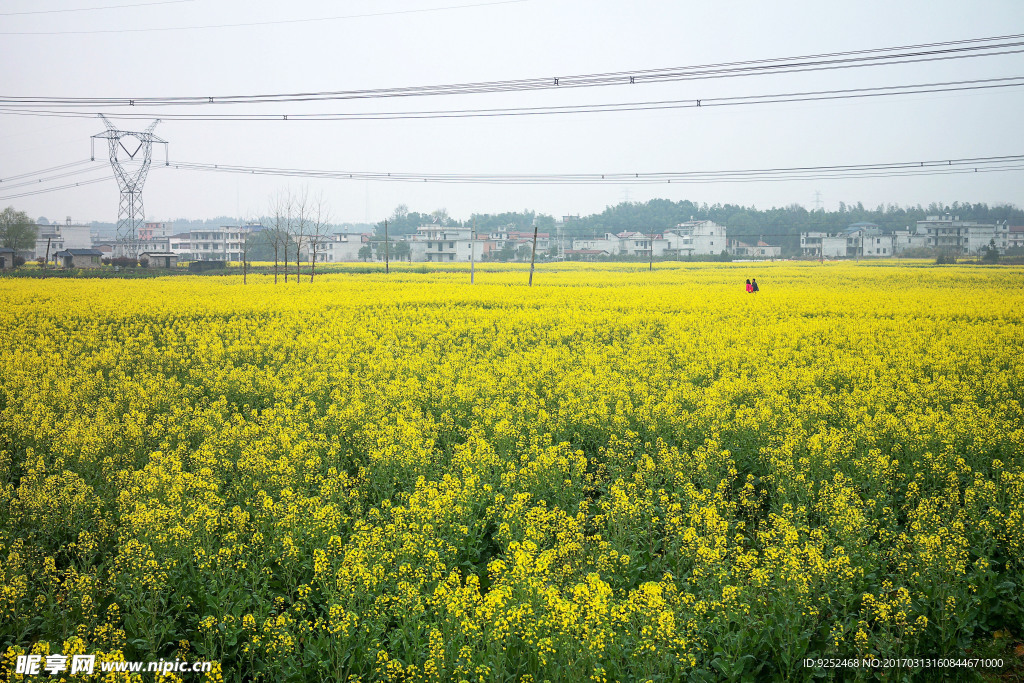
614	475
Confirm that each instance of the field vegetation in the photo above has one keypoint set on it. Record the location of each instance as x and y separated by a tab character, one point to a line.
613	475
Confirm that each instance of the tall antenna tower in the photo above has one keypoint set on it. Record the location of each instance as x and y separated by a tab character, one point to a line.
130	155
817	200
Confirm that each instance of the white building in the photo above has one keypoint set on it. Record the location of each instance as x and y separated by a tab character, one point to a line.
439	243
876	245
949	233
1016	237
606	246
822	245
626	243
60	237
760	250
225	243
860	240
696	238
905	240
180	244
336	248
640	244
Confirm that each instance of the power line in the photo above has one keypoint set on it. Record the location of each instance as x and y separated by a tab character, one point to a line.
653	105
912	168
834	172
44	171
837	172
92	9
973	47
54	189
249	24
37	181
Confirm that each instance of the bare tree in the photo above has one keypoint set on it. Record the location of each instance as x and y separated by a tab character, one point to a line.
249	236
301	227
319	226
279	229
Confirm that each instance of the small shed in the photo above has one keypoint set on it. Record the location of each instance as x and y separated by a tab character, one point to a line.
203	266
79	258
160	259
6	258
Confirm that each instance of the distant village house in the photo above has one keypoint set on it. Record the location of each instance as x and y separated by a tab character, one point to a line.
79	258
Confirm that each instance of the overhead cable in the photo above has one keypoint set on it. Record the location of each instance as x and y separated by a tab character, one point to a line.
891	169
990	164
652	105
974	47
51	169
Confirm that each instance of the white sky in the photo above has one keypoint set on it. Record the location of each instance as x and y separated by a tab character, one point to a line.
523	39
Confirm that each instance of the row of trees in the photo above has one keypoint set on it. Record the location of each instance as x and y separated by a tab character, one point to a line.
297	223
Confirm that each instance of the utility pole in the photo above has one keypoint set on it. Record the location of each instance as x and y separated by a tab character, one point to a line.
387	250
651	266
533	254
472	253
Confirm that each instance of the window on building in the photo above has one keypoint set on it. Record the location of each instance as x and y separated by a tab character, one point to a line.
451	245
430	245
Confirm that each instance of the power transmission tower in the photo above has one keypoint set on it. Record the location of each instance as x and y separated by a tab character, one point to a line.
817	200
130	170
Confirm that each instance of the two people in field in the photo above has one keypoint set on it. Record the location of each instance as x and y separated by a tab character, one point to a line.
752	287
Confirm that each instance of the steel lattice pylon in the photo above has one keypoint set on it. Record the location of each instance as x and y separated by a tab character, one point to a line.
131	175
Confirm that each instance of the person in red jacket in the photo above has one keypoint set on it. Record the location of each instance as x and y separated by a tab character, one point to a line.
750	287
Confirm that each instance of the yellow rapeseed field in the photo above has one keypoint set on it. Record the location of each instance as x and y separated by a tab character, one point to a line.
614	475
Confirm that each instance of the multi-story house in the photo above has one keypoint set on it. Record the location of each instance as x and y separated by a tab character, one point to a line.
822	245
904	240
336	248
596	246
949	233
180	244
696	238
153	230
58	237
226	243
439	243
1015	237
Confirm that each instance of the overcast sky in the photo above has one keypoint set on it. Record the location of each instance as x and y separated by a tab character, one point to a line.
428	42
